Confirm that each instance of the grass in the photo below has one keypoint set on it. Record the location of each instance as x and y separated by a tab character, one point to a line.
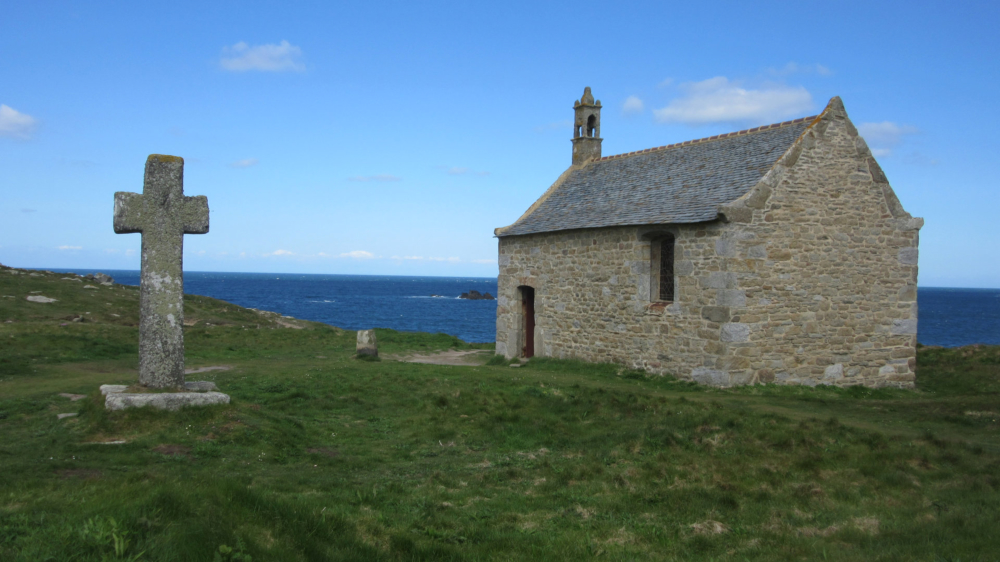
321	456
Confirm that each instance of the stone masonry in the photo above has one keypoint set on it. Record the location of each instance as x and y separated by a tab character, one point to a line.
810	277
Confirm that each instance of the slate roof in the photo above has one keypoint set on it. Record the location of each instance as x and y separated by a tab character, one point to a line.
678	183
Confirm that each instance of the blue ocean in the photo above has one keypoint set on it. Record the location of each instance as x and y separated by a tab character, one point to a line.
948	317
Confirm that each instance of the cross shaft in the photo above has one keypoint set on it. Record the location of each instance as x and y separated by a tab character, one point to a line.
163	215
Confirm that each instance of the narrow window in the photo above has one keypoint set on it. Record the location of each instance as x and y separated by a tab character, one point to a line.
667	269
661	271
590	125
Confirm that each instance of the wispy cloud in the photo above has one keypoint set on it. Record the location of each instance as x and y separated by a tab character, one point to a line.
70	247
796	68
281	253
885	136
26	210
282	57
244	163
15	124
632	106
358	255
665	83
377	177
491	261
719	100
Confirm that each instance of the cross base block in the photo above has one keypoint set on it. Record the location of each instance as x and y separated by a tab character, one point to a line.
117	399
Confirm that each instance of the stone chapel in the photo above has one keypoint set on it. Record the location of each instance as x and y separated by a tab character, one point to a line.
775	254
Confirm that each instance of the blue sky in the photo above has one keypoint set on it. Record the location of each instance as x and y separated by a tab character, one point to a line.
392	138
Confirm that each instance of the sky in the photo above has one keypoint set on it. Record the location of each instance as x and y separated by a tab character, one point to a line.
392	138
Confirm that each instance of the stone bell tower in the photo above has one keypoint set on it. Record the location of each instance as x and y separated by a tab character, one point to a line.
586	129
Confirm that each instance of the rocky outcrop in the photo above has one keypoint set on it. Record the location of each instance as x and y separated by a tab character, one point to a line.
477	296
102	278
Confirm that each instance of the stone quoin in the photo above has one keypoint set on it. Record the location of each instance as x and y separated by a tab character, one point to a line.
774	254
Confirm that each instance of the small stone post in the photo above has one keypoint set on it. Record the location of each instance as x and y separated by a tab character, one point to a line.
367	344
163	215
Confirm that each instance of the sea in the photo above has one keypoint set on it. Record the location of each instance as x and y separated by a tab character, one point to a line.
949	317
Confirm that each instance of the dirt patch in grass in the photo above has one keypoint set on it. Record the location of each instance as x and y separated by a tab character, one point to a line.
207	369
450	357
709	527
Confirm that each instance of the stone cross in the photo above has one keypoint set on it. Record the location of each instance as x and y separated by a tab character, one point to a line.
163	215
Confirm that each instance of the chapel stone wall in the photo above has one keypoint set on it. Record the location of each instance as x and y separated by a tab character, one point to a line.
810	279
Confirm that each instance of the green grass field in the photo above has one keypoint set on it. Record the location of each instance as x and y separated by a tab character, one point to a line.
324	457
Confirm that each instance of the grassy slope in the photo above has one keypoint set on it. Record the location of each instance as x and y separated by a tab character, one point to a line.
321	456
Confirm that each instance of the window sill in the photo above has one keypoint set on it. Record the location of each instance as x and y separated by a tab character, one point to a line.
658	306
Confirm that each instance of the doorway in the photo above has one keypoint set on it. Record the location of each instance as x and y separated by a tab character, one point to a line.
528	312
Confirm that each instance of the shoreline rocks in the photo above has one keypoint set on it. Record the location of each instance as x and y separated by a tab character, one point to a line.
477	296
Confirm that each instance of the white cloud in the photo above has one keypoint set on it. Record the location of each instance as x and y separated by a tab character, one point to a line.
377	177
358	255
27	210
885	136
111	251
666	82
492	261
718	100
244	163
632	106
445	259
15	124
266	58
280	253
129	252
70	247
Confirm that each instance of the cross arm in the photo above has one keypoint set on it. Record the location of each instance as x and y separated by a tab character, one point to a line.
128	212
195	215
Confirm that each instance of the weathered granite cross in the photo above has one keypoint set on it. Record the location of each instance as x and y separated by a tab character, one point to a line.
163	215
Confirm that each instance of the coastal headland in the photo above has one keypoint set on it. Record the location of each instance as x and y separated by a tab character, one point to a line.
322	456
